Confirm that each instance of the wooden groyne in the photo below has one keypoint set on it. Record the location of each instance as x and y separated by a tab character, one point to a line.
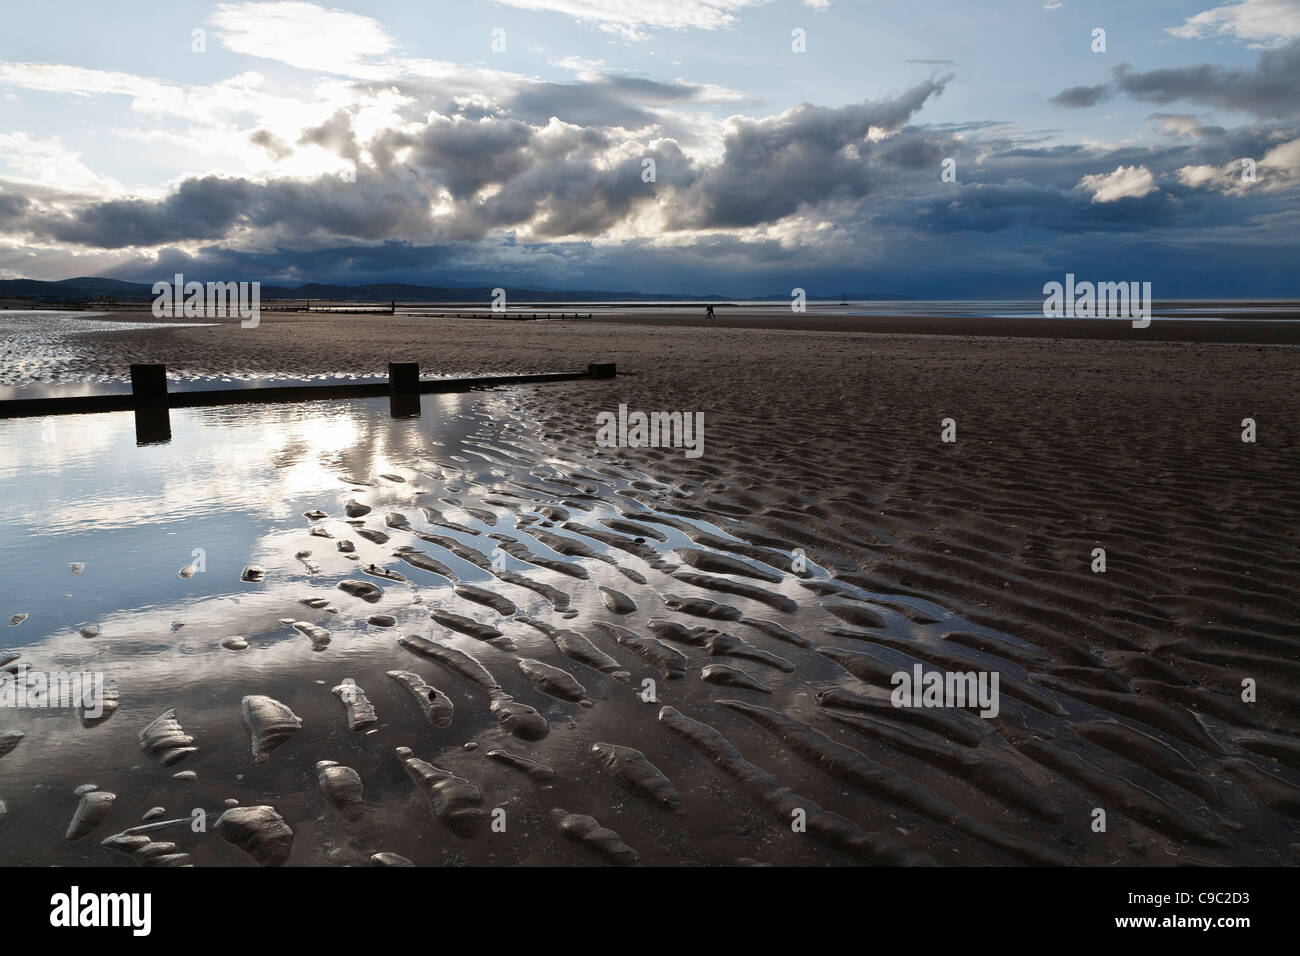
151	401
506	316
520	315
386	310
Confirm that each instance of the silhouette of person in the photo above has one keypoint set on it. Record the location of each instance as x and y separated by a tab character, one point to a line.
708	311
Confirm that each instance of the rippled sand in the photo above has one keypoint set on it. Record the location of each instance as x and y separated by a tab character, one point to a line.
1120	691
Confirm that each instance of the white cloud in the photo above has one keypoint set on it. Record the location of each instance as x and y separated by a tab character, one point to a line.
1278	169
630	18
1284	157
228	98
1126	182
59	78
582	68
1179	124
307	36
713	93
1183	126
1197	176
1263	22
49	163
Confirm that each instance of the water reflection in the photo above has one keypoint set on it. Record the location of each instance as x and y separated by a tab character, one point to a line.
100	531
231	478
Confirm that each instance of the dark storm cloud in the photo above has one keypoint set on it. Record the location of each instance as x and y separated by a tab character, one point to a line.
442	199
579	265
373	207
215	207
555	179
987	208
911	149
945	239
206	208
773	167
12	207
1077	97
351	262
546	177
1270	90
467	156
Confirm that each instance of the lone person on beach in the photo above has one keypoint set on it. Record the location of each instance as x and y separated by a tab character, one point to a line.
708	311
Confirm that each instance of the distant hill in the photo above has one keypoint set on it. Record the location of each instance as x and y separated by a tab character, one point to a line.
106	286
91	287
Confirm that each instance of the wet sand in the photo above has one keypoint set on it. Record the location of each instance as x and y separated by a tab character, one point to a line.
1123	689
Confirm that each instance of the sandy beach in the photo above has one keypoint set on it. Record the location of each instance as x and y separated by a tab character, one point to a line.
540	436
1123	689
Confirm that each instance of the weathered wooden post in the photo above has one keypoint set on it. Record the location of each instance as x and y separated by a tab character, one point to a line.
153	424
601	369
404	389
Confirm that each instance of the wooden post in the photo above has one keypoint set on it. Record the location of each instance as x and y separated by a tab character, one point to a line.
601	369
404	389
149	399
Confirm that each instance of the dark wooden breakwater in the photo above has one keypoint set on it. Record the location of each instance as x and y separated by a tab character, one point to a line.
517	315
151	401
502	316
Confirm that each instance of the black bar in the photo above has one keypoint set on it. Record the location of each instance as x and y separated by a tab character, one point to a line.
1023	907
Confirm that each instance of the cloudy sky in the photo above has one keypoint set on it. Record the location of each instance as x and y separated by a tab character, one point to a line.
505	142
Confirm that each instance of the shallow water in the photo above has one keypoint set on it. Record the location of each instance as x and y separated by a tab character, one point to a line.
100	533
38	345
